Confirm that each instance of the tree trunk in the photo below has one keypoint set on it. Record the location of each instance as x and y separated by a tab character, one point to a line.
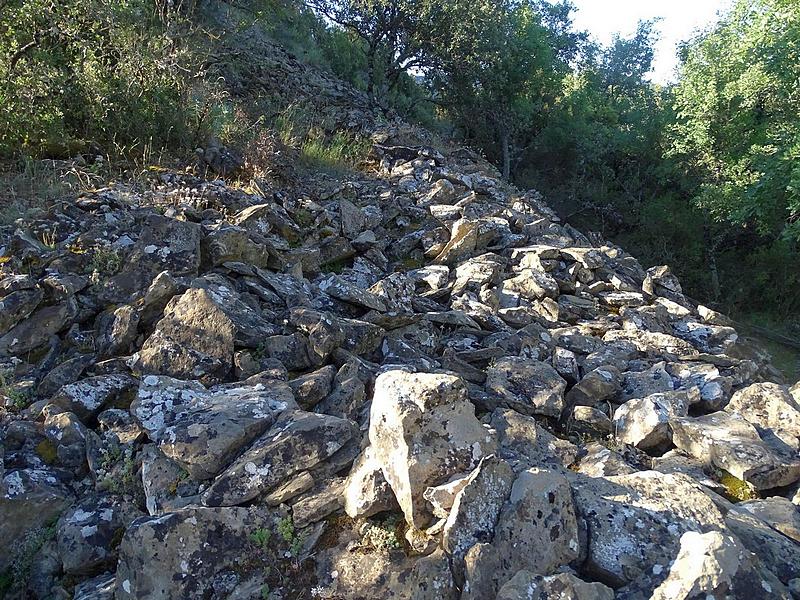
711	260
504	142
371	73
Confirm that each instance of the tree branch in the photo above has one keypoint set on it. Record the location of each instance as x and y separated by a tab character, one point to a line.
15	58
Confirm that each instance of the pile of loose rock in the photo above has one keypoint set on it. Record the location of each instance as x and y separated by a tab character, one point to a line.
413	382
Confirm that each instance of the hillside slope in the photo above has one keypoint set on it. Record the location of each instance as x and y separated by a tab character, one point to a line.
406	381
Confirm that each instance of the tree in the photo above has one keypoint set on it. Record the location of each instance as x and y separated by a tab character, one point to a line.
499	83
599	153
396	35
738	124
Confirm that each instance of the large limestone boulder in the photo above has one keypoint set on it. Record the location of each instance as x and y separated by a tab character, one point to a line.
778	553
342	573
191	553
86	398
476	507
528	386
632	525
29	499
164	244
423	430
644	422
298	441
727	441
366	491
202	429
716	565
193	340
564	586
779	513
536	531
88	532
769	406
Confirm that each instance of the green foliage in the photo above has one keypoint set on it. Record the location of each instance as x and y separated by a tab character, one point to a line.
736	489
261	537
16	397
598	154
23	552
105	261
738	123
383	534
499	76
338	152
120	471
82	73
287	532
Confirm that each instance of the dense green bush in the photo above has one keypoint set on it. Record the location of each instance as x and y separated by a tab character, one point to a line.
95	73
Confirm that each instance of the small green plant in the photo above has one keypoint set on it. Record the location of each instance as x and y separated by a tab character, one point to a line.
261	537
303	217
340	152
23	552
287	532
383	534
261	352
47	451
105	262
183	475
120	471
265	592
6	583
337	266
16	398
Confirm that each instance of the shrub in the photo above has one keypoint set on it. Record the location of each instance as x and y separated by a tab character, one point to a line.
83	73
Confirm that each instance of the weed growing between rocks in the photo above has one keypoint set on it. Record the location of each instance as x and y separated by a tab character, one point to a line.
384	533
287	532
261	537
118	472
105	263
23	551
16	398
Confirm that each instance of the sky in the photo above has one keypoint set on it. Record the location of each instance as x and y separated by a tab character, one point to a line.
680	18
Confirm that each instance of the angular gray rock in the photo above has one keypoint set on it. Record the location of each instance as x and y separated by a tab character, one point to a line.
776	552
86	398
423	430
645	422
632	525
769	406
36	330
203	430
193	340
779	513
598	385
29	499
536	531
527	444
564	586
188	554
366	491
728	442
89	531
475	509
298	441
716	565
527	386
